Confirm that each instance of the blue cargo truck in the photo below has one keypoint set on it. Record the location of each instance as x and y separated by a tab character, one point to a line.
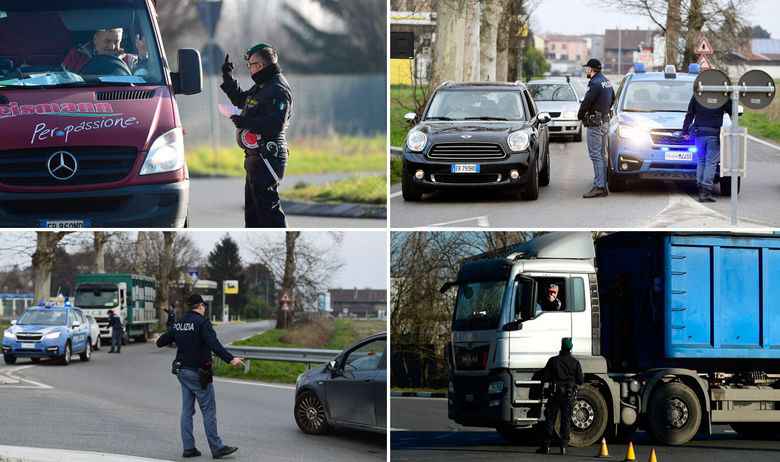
675	333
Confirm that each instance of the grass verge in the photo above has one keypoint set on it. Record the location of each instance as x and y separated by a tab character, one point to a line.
338	154
360	190
326	334
396	169
764	123
401	102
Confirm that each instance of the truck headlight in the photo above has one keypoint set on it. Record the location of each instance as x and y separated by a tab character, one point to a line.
416	141
518	141
9	335
166	153
52	335
495	387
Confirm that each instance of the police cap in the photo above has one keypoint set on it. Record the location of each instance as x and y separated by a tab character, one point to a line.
255	49
594	63
195	300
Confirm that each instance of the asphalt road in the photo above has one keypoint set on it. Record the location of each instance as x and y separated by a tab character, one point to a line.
653	204
422	431
129	404
219	203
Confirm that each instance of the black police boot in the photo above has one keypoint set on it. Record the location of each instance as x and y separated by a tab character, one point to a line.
563	450
224	451
595	192
544	449
191	453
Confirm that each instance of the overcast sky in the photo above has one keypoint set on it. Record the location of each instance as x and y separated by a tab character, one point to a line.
591	17
363	253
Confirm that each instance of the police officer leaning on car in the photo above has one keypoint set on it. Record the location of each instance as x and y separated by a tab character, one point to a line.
705	125
594	113
195	338
262	126
564	374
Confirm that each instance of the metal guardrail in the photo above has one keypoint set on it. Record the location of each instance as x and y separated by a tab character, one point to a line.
307	356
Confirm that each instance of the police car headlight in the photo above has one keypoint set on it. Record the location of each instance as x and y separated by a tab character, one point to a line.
52	335
416	141
631	133
166	153
9	335
518	141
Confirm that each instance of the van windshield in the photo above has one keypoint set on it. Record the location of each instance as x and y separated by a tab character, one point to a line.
479	305
46	43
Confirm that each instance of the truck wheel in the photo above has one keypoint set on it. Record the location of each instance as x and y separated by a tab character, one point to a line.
544	175
410	191
66	358
9	359
757	431
87	355
725	185
310	414
589	417
674	414
531	191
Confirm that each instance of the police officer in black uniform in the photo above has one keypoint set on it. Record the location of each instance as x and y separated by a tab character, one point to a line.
195	338
564	374
262	125
115	324
594	114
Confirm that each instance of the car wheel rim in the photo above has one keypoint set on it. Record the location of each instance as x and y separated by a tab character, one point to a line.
582	415
311	413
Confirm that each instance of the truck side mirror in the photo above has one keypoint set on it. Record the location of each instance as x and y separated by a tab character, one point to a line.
189	79
512	325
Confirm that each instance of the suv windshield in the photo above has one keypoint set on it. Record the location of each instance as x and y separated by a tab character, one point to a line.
658	96
476	105
551	92
97	298
86	43
44	318
479	305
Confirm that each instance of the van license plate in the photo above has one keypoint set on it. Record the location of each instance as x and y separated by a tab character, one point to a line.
65	224
465	168
678	155
28	346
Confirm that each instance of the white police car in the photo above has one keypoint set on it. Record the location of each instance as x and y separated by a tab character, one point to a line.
645	139
49	330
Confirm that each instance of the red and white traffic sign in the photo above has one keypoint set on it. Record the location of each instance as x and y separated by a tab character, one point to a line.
704	63
704	47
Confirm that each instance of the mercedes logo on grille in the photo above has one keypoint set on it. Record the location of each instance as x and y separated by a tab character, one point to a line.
62	165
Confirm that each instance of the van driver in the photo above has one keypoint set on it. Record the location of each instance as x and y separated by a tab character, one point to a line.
106	42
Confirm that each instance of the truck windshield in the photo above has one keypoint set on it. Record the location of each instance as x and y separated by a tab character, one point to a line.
658	96
43	318
551	92
97	298
46	43
476	105
479	305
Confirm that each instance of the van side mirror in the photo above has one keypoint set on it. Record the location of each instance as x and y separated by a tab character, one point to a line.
512	325
189	79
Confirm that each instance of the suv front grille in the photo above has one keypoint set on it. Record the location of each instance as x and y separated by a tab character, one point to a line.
30	167
668	138
466	151
29	337
466	178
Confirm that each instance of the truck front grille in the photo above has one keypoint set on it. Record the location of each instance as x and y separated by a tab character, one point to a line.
471	359
466	151
94	165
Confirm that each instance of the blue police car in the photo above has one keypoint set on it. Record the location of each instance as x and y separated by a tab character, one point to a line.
48	331
645	139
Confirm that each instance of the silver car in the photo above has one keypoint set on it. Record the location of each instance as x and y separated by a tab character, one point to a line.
559	99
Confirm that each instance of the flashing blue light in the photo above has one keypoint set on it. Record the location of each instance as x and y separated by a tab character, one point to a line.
67	302
639	68
694	68
41	302
693	149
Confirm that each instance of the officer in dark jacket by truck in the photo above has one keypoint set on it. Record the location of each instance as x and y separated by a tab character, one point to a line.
594	114
115	324
564	374
262	126
195	338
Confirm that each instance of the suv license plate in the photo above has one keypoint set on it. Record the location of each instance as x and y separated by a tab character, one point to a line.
28	346
65	224
678	155
465	168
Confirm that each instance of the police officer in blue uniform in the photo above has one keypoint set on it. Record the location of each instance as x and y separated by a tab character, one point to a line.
594	113
261	133
705	125
195	338
115	324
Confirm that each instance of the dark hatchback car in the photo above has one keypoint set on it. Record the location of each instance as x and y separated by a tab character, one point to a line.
350	391
477	135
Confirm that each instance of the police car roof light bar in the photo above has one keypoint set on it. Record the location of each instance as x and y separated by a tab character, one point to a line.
694	68
670	72
639	68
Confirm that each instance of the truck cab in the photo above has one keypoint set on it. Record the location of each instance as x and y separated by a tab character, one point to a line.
51	330
98	299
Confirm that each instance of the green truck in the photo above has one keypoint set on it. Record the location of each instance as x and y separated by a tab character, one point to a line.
131	296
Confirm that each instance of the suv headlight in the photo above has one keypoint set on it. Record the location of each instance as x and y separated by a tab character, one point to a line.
633	133
166	153
518	141
416	141
9	335
52	335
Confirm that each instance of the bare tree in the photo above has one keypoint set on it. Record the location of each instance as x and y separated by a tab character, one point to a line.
488	38
672	30
288	277
449	48
471	47
43	261
99	242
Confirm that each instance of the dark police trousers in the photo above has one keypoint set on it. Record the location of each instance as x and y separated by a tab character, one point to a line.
116	339
559	402
262	207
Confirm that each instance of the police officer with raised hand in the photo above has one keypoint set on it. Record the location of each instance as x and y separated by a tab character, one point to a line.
594	113
195	338
262	126
563	373
705	125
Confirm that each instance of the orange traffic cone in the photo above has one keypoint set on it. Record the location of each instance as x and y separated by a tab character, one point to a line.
652	456
603	452
630	456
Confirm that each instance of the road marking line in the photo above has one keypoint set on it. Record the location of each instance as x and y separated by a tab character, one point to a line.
255	384
482	222
396	194
765	143
33	384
